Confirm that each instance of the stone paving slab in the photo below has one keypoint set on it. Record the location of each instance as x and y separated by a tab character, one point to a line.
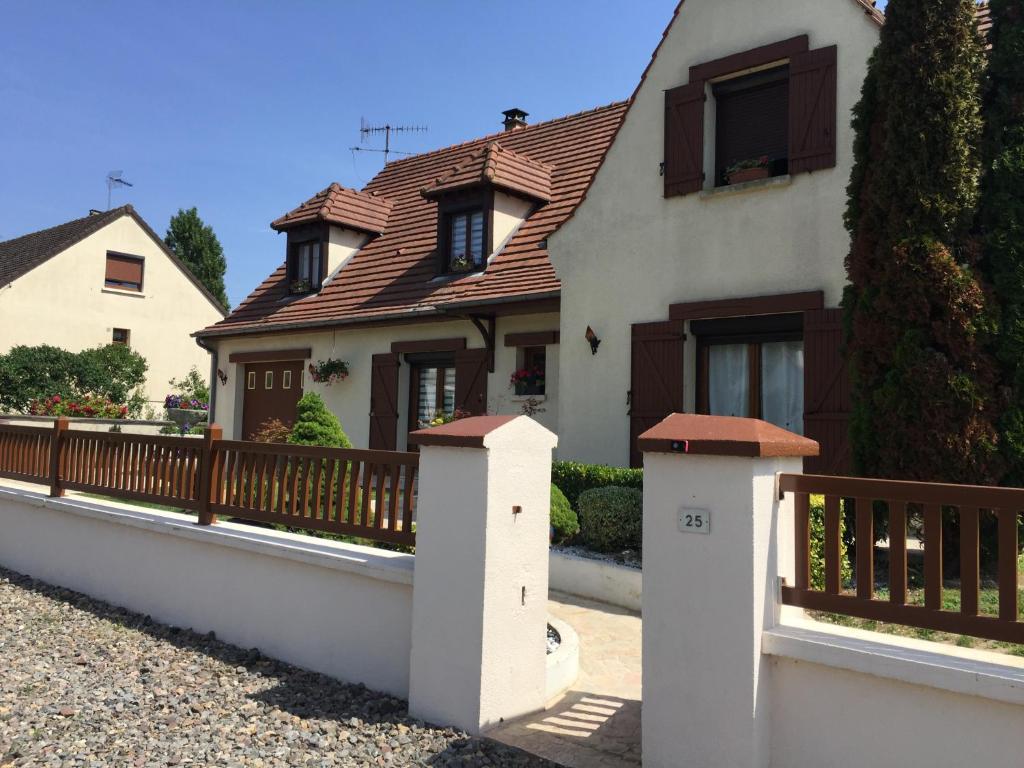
596	723
87	685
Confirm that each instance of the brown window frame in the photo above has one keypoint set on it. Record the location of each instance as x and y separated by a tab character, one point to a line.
297	238
752	331
127	336
125	285
457	204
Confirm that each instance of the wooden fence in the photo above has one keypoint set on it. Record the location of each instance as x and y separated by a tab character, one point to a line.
369	494
902	501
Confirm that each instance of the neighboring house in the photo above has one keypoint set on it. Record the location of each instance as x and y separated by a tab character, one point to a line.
433	284
106	278
711	297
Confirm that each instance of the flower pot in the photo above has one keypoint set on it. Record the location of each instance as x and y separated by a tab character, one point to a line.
748	174
186	418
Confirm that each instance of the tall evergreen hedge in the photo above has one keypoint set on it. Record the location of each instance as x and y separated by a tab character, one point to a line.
1002	217
917	315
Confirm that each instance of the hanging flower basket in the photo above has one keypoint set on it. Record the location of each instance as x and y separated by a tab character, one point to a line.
328	371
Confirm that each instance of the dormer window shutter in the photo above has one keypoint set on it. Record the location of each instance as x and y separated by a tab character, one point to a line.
684	139
812	110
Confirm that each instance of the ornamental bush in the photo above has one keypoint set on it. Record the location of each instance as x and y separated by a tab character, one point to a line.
611	518
817	549
563	519
315	425
573	478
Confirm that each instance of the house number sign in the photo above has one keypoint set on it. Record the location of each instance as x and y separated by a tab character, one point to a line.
694	520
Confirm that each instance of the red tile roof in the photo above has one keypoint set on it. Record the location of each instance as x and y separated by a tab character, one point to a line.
343	206
501	167
394	275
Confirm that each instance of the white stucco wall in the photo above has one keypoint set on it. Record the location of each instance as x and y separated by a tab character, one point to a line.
628	252
341	247
350	399
339	609
509	213
63	302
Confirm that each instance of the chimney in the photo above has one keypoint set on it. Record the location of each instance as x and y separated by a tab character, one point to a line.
514	118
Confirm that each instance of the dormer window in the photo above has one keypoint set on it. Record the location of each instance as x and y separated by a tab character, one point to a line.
306	260
465	240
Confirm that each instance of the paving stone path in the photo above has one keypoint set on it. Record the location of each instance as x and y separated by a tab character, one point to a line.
86	684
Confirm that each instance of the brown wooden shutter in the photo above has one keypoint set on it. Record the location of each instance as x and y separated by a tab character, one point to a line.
656	378
812	110
826	392
384	402
684	139
124	269
471	380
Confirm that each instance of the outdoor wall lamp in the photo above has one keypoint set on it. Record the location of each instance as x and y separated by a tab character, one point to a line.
592	338
222	376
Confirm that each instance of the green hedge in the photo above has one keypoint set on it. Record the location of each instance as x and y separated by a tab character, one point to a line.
817	549
563	519
573	478
611	519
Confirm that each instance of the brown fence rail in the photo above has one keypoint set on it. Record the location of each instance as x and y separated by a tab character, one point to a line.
154	468
351	492
25	453
368	494
928	501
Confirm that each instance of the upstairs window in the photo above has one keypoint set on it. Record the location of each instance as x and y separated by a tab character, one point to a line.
465	240
305	267
752	126
123	272
121	336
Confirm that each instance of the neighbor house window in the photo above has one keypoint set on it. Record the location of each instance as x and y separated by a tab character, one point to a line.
752	124
123	272
752	367
121	336
465	240
306	267
529	378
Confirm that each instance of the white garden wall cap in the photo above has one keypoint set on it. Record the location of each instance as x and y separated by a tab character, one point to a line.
916	662
695	434
476	432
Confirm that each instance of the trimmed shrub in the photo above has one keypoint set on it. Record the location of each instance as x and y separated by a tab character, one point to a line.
573	478
315	425
563	519
611	518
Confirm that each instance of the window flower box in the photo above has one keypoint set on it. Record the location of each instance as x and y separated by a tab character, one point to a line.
748	170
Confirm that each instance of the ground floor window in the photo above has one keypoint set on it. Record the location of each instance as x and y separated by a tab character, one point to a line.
752	367
432	390
529	376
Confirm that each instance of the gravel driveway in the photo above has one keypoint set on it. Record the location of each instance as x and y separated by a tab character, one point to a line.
85	684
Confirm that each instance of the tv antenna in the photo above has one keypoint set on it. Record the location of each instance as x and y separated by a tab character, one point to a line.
366	131
114	180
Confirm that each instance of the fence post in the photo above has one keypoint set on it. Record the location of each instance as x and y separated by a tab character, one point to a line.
209	468
480	594
716	538
60	426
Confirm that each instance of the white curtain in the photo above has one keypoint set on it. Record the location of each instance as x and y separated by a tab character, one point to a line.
728	380
782	384
427	394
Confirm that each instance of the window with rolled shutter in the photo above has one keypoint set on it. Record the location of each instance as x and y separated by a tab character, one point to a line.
124	272
684	139
812	110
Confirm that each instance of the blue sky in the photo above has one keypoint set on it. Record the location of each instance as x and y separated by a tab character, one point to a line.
245	109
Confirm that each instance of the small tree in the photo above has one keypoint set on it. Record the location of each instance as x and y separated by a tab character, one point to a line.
114	371
195	243
35	373
315	425
1001	217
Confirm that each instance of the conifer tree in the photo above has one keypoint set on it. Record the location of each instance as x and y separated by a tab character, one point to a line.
1002	218
917	314
194	242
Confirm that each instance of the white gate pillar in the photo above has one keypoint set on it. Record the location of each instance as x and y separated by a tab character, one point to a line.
713	550
480	588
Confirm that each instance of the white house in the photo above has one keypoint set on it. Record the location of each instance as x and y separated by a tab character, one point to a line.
106	278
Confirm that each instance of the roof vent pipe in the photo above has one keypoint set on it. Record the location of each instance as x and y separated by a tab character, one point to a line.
514	118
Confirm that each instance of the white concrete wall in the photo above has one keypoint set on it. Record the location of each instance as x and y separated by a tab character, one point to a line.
834	718
350	399
628	252
63	302
339	609
594	579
